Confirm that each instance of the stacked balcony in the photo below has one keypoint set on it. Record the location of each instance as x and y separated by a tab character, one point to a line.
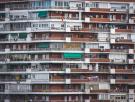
67	51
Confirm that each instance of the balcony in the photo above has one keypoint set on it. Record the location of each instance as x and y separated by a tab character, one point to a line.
125	81
79	70
119	50
100	19
99	60
122	40
51	29
83	39
91	80
63	18
85	80
57	90
96	29
103	10
100	50
11	80
124	71
121	61
132	20
99	91
50	38
118	10
31	70
119	21
124	30
59	80
5	1
118	90
2	30
43	50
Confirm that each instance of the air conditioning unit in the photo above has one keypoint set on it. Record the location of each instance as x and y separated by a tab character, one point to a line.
101	48
124	60
117	39
108	39
112	60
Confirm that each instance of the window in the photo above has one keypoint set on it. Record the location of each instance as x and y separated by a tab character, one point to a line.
87	4
59	3
66	4
56	3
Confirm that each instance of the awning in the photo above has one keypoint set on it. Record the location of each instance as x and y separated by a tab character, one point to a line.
42	45
72	55
42	14
14	34
22	35
2	14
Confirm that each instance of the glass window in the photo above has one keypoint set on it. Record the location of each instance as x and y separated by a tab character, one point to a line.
66	4
87	4
56	3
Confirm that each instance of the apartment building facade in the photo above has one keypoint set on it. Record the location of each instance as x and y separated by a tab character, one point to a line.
67	51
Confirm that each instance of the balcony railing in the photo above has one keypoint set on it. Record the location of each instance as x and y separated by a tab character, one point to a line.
88	80
118	90
125	81
100	19
120	20
119	50
124	71
128	41
57	80
125	30
84	39
45	18
77	70
43	7
48	49
12	80
42	100
56	90
13	29
99	50
50	38
99	60
99	9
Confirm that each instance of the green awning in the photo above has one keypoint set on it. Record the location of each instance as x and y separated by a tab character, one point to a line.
72	55
2	14
43	45
14	34
42	14
22	35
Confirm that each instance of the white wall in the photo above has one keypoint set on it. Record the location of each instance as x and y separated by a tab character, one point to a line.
104	86
114	36
102	36
103	5
117	56
92	46
40	77
133	37
73	4
69	24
